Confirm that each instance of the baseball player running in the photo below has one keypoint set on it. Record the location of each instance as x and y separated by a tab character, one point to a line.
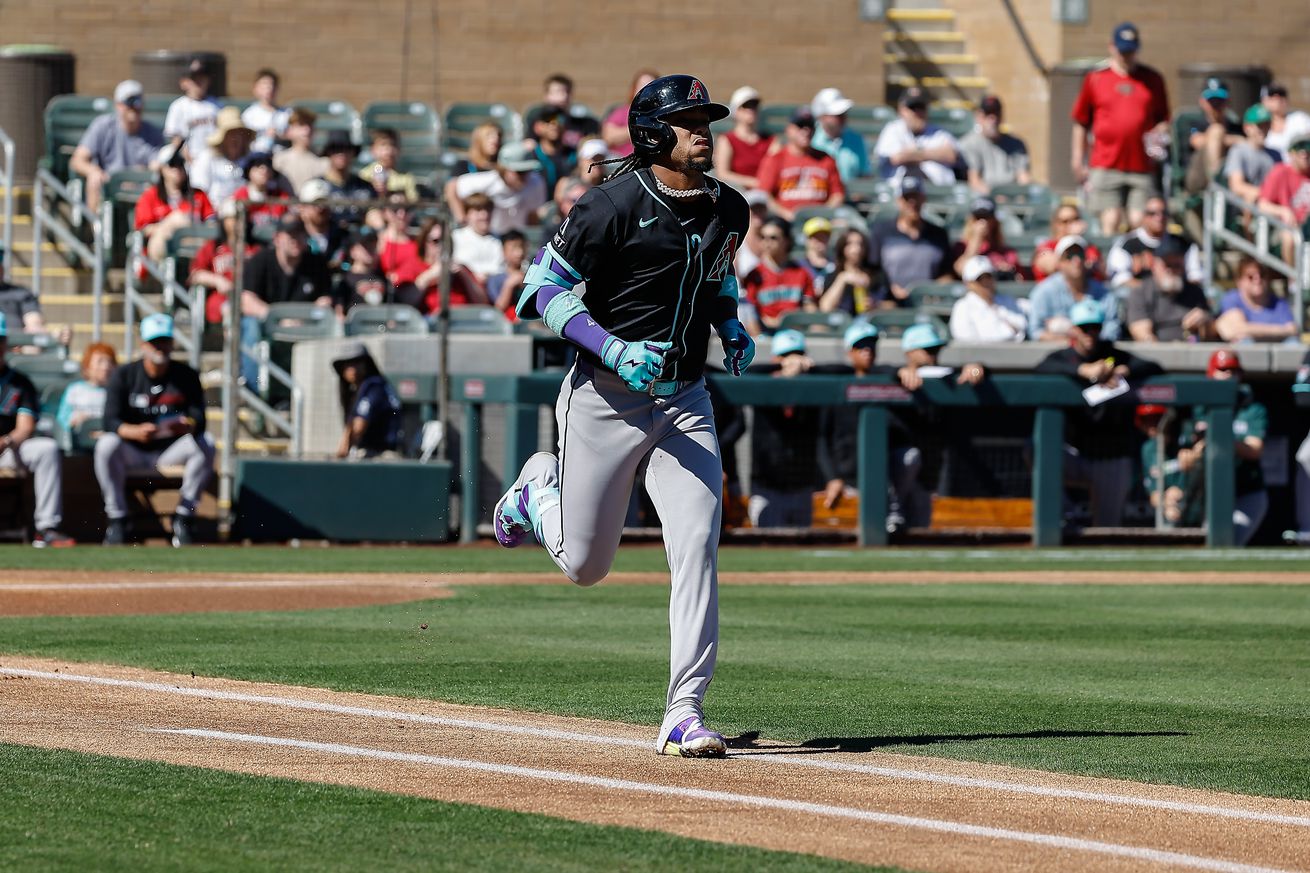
655	246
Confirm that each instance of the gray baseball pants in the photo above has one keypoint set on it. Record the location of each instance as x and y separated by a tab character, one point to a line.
1303	486
116	458
1108	481
610	436
41	457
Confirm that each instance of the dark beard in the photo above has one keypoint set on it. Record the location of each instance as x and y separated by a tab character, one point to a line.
700	165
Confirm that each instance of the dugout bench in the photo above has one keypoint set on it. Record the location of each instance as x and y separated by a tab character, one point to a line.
1048	395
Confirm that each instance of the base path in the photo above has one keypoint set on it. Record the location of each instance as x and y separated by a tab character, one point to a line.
874	808
123	592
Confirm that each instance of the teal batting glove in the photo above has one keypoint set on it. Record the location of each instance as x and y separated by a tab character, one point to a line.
738	347
639	364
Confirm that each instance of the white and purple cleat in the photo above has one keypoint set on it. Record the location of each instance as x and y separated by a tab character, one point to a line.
691	739
510	519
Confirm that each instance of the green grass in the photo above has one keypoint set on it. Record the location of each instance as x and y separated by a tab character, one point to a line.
68	811
632	558
1200	686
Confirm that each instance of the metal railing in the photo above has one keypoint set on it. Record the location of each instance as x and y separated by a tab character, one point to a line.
43	219
292	425
134	300
1218	203
7	233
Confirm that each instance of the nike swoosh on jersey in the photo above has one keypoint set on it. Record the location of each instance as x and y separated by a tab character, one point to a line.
647	222
688	221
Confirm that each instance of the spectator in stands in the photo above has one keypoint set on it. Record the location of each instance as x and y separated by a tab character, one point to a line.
1250	312
83	402
1250	160
340	176
154	418
286	272
784	443
589	172
818	234
484	144
503	288
739	152
1122	103
839	429
912	146
22	309
557	94
323	235
850	286
1285	193
1164	306
1284	125
363	282
217	170
268	120
614	130
475	247
515	187
555	159
834	138
370	405
265	192
1100	440
118	140
922	345
383	172
1054	297
1250	427
799	175
1129	260
1066	220
778	285
907	249
752	247
983	236
570	191
993	158
297	162
398	253
214	267
1210	137
192	117
20	448
170	204
982	315
464	288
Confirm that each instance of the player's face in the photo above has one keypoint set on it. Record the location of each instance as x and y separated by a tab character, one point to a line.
694	148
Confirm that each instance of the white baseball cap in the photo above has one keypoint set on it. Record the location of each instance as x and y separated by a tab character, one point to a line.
830	101
744	94
315	189
593	149
128	90
1069	241
977	267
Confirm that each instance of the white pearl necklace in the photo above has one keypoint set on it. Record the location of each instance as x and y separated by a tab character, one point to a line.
684	193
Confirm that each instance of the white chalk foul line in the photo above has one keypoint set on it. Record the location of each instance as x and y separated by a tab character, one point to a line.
755	800
599	739
189	584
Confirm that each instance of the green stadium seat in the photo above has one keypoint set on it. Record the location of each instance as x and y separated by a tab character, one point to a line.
956	120
868	121
1031	204
891	323
117	210
292	322
156	108
185	243
419	129
843	218
476	318
1016	288
936	297
1180	151
332	115
816	323
774	117
386	318
462	118
46	370
66	118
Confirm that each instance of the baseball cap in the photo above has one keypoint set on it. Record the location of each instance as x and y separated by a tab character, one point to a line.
921	336
1215	89
517	157
315	190
977	267
1223	359
362	237
1273	89
130	92
914	97
909	185
982	206
4	327
1301	143
1257	114
339	141
755	197
802	117
290	223
355	351
1086	311
788	342
593	149
155	326
1126	38
1069	241
197	67
170	154
990	105
742	95
817	224
255	159
859	332
831	101
1171	245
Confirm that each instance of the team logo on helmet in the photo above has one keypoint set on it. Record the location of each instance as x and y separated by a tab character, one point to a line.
697	91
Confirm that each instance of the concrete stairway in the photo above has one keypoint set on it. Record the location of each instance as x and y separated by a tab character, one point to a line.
924	47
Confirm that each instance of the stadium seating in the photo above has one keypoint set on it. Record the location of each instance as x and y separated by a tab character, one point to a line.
461	118
773	117
892	323
420	133
816	323
332	115
956	120
66	119
117	209
476	318
292	322
1032	204
936	297
386	318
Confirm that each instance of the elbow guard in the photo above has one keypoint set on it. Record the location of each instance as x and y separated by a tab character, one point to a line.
549	274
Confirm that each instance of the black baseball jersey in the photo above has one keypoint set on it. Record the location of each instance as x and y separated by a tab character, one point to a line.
132	397
654	265
17	397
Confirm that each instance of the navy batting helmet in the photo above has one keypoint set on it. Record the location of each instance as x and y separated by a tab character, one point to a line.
666	95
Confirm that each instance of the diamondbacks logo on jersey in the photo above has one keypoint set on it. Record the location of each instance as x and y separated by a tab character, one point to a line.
723	262
697	91
559	234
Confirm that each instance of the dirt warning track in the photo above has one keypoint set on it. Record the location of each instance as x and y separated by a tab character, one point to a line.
920	813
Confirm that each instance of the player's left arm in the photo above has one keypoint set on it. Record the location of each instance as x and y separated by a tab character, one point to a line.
738	346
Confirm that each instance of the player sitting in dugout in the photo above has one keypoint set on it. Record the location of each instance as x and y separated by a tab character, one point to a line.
369	404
